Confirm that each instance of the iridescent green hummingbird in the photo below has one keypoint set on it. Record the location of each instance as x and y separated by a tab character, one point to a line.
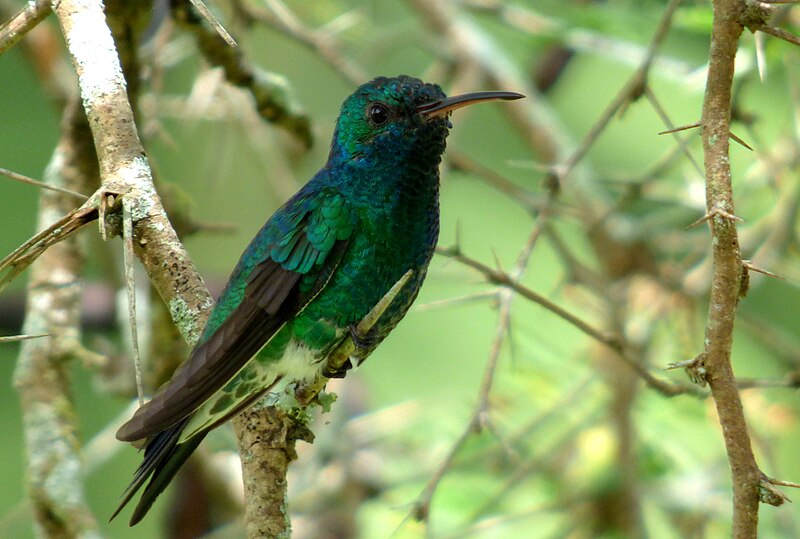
313	271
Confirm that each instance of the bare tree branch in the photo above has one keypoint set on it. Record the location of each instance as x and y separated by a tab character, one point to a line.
123	166
55	471
23	22
273	98
727	268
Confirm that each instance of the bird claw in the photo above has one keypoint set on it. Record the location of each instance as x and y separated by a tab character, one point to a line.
362	341
338	372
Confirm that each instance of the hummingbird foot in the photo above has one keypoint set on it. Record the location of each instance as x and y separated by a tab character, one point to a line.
339	372
363	341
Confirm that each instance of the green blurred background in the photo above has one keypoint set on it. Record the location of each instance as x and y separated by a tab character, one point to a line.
418	391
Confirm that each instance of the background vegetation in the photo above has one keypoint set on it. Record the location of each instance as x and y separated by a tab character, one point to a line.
485	414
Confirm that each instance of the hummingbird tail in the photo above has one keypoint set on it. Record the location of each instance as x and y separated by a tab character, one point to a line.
163	456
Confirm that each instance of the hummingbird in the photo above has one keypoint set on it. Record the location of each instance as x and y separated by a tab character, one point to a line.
313	271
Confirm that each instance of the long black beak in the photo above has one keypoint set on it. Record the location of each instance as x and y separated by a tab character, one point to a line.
449	104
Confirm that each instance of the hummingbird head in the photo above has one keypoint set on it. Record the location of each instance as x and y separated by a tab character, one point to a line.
388	119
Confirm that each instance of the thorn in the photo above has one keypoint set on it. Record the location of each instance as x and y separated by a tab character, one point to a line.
782	483
752	267
695	369
715	213
680	364
700	221
767	493
680	128
740	141
497	263
726	215
761	60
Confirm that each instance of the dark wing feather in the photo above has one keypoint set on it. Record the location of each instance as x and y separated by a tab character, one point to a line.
158	452
272	295
215	361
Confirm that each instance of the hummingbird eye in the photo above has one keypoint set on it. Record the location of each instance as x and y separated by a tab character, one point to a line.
378	114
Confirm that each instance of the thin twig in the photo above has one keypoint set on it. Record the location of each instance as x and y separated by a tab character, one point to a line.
514	192
503	279
44	185
273	97
212	20
130	286
24	255
612	342
480	416
631	91
279	16
17	338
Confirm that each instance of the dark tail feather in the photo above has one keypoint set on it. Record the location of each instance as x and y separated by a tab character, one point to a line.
162	459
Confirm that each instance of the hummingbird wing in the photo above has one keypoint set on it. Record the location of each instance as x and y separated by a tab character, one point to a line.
283	268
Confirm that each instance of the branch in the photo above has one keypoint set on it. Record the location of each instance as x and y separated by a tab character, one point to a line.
727	268
124	169
266	436
23	22
267	433
322	41
55	471
480	418
633	89
273	98
667	389
472	47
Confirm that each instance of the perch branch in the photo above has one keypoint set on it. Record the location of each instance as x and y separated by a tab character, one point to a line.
267	436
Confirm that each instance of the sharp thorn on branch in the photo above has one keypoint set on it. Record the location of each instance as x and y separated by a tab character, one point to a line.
739	140
695	369
680	128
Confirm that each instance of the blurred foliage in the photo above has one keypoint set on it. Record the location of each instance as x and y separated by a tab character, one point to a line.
575	437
